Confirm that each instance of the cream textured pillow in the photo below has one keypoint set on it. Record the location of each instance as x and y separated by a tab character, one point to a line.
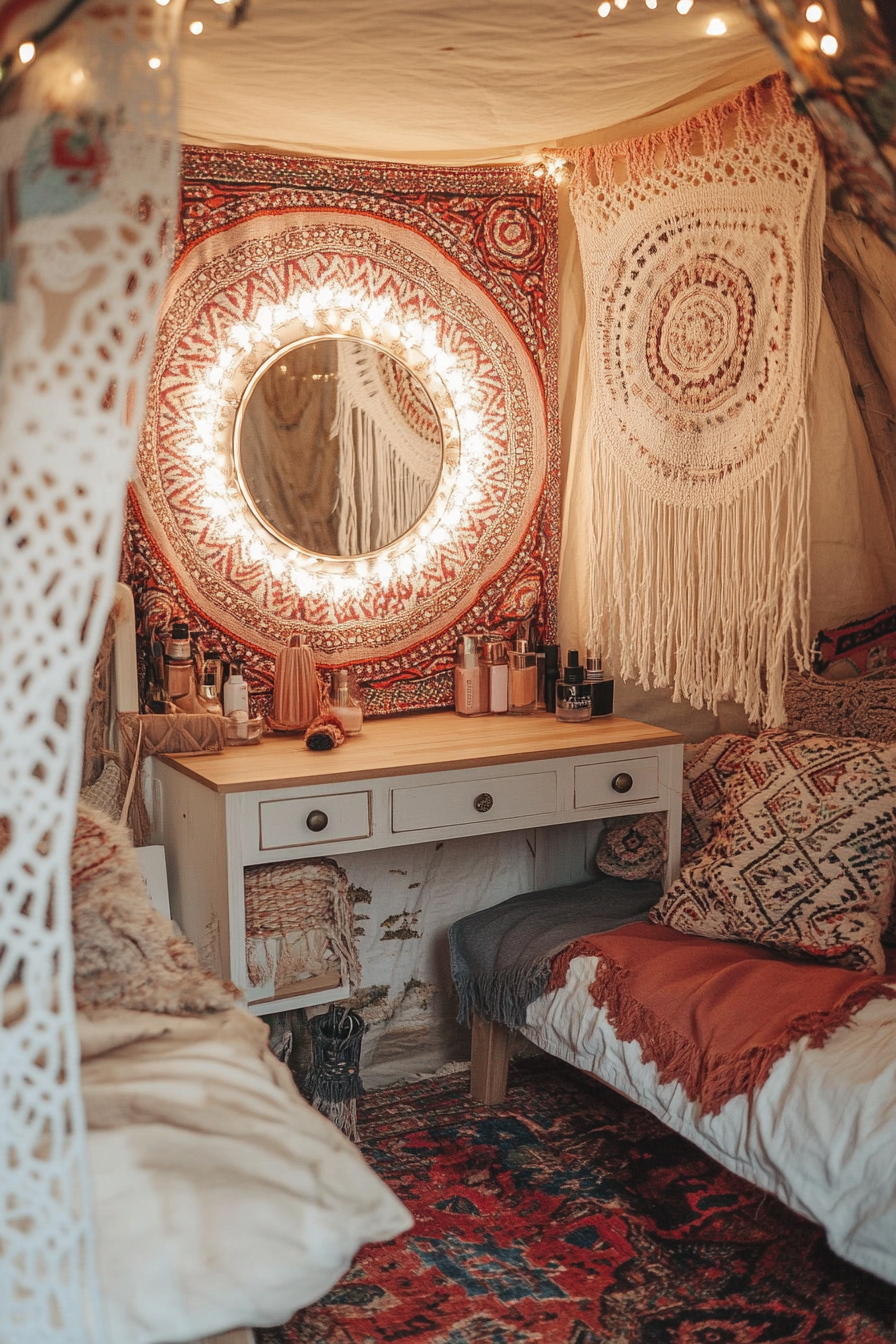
802	858
125	952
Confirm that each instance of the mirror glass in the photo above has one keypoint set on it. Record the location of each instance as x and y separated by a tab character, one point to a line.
338	447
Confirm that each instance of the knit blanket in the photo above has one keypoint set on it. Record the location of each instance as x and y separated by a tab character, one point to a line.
501	957
715	1016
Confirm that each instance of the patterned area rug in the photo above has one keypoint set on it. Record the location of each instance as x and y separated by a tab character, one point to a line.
570	1216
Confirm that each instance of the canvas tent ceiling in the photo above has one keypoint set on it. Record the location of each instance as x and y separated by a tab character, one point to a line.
460	82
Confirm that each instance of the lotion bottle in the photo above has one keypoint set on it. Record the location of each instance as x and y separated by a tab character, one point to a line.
470	685
523	679
236	692
493	656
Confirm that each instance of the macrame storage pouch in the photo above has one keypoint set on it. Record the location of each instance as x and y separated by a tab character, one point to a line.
701	252
299	925
296	698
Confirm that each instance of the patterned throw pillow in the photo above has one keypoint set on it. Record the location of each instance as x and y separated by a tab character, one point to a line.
858	707
635	847
803	858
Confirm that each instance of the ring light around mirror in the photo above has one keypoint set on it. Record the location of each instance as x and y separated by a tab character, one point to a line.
338	447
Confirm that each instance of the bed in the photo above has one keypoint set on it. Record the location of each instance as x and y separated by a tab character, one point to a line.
789	847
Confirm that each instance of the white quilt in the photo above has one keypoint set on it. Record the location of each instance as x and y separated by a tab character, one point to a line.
820	1134
220	1197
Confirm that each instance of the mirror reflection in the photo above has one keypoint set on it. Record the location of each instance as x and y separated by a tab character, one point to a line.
338	447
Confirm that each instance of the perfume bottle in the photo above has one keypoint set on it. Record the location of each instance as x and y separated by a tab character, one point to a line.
496	669
344	705
523	678
600	685
179	661
551	676
208	692
573	696
470	683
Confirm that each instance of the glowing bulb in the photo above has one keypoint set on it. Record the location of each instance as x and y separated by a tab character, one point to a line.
651	4
716	27
154	62
26	52
684	6
620	4
604	9
163	3
829	44
196	27
814	14
78	76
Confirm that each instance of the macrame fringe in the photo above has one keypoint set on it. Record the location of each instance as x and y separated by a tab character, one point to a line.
713	602
711	1080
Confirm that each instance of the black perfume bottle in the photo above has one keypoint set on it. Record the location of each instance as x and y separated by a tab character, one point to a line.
573	695
600	685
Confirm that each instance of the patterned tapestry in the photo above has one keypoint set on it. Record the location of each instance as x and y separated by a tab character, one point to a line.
467	256
701	250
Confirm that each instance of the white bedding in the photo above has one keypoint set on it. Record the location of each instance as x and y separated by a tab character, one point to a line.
820	1134
220	1197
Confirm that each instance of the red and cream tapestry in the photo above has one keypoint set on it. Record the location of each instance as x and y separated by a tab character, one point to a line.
466	257
701	252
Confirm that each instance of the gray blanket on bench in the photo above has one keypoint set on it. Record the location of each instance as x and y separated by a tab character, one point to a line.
501	958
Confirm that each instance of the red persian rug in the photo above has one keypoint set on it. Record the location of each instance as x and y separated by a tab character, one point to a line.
570	1216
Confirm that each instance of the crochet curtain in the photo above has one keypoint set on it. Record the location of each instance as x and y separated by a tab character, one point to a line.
89	182
701	253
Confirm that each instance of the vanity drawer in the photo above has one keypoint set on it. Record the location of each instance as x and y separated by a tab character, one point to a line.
284	823
617	782
501	799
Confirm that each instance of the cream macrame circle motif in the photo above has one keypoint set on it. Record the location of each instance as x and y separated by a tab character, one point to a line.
696	354
235	300
701	323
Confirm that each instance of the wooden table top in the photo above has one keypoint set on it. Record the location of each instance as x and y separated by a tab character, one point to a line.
416	744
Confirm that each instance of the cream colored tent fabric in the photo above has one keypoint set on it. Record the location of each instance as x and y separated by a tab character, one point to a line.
461	83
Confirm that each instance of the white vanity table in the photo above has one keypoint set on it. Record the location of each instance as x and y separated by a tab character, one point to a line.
434	776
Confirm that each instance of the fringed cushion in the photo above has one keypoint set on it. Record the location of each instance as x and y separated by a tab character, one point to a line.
802	858
125	952
635	847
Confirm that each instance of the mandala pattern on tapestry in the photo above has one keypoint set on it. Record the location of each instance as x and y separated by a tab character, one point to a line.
492	558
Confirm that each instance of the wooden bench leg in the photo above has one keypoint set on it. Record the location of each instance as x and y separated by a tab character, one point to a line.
488	1062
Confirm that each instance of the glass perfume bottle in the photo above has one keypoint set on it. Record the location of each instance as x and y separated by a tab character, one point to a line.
523	678
573	695
599	685
344	705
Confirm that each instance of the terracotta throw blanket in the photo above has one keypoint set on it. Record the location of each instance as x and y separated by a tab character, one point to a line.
715	1016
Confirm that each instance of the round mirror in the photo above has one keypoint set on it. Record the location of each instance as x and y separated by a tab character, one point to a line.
338	447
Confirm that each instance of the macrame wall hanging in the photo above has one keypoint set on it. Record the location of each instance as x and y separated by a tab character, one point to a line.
701	249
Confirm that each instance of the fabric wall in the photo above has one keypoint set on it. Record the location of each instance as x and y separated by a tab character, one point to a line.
852	546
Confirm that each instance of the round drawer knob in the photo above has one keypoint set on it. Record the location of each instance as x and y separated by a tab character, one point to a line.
317	821
483	802
621	783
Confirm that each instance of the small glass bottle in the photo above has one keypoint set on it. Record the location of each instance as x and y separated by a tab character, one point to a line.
493	657
179	661
573	696
344	705
470	683
599	685
523	678
208	692
551	676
